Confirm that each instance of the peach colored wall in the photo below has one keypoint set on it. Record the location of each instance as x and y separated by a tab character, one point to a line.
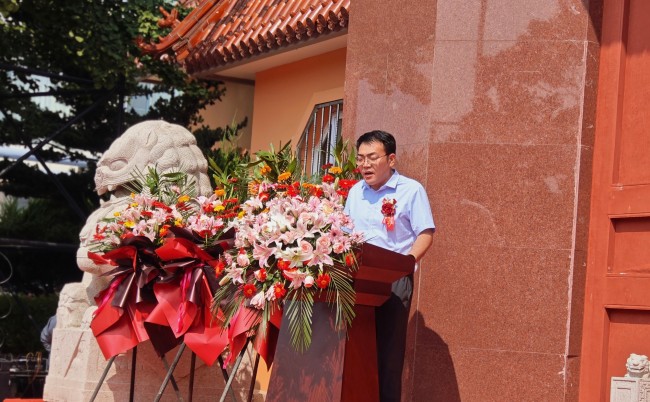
492	105
236	104
285	95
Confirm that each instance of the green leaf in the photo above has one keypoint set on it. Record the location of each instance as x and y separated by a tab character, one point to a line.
298	310
341	293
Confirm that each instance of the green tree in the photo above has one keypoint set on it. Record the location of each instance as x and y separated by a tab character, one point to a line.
94	42
88	49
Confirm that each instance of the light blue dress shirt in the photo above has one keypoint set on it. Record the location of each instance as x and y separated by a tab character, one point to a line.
412	212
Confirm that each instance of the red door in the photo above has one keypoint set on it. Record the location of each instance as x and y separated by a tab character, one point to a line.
617	299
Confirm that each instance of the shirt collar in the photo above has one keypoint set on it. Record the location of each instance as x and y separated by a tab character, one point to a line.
391	183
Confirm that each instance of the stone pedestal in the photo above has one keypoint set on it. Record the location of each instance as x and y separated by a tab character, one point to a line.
77	365
629	389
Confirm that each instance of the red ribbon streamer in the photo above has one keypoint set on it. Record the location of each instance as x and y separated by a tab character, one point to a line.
185	284
108	295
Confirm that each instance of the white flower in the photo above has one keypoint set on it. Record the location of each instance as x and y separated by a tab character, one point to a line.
243	260
280	220
309	281
258	300
297	278
235	274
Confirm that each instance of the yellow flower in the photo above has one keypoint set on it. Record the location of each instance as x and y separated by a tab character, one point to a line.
241	214
163	230
132	195
134	204
178	222
253	187
219	208
284	176
335	170
116	214
220	192
129	224
266	169
183	198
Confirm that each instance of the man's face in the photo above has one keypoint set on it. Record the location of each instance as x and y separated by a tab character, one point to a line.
375	165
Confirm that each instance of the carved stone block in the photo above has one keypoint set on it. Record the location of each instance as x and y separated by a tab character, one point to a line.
630	389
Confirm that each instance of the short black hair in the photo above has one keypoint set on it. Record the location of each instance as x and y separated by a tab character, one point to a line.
383	137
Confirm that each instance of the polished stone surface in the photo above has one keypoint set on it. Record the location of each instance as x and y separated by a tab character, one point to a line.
493	106
458	374
499	298
503	195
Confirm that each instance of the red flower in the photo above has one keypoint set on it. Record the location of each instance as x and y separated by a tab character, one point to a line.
99	233
264	197
327	166
233	180
158	204
278	290
357	170
328	178
292	192
218	269
349	260
249	290
164	230
347	184
343	193
316	191
282	264
388	207
388	210
323	281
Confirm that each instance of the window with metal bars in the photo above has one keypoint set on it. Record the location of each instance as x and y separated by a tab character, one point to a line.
316	145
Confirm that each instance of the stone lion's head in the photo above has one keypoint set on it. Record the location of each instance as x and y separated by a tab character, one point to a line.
637	365
168	147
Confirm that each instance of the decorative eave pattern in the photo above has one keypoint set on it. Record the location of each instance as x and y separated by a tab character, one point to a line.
221	32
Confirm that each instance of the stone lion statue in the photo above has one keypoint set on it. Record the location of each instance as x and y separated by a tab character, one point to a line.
154	143
75	355
637	366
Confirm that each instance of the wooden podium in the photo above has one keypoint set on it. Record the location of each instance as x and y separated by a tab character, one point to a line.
340	366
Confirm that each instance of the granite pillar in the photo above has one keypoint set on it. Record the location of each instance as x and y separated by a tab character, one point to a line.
492	103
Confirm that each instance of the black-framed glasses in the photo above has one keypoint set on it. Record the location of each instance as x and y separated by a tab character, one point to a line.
372	159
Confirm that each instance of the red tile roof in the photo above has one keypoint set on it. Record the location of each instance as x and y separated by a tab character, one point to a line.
220	32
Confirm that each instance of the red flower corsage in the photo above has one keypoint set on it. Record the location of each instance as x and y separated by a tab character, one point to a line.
388	210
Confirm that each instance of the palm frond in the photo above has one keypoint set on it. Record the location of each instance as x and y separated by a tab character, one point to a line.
298	310
341	293
226	298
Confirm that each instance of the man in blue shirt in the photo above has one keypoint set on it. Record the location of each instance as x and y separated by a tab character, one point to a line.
393	212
